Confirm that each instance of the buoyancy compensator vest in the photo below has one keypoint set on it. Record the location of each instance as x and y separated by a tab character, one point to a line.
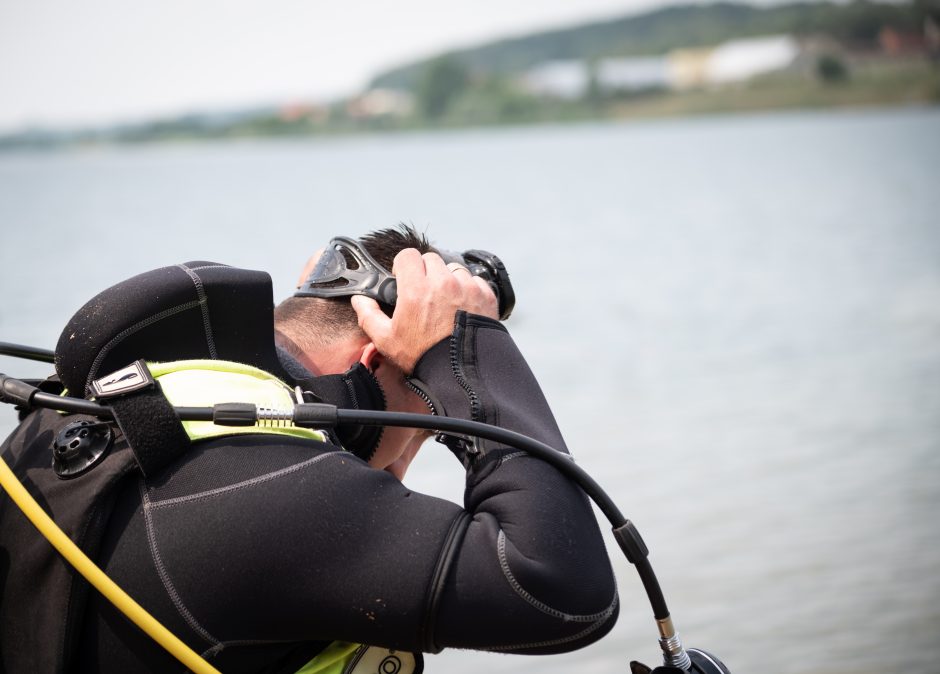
75	465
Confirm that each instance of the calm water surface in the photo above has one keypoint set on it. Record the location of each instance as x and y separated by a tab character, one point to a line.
736	319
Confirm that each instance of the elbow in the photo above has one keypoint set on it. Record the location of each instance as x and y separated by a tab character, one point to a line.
571	635
561	632
521	606
511	592
564	606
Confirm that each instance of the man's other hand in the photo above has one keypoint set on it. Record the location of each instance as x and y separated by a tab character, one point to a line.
430	293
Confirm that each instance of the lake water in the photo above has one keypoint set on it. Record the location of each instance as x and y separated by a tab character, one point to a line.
736	319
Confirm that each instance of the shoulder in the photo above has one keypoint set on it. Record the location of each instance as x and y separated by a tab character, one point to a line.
240	461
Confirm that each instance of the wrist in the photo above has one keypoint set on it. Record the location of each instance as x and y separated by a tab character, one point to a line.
448	372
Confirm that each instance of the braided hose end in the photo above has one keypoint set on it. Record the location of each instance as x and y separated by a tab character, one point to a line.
674	654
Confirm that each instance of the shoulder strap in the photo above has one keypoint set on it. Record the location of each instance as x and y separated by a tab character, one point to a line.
146	418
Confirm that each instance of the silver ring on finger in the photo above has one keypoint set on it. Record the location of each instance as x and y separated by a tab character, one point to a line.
456	266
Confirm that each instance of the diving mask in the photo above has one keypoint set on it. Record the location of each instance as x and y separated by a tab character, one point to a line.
345	268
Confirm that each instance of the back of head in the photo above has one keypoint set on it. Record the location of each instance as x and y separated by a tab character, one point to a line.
313	322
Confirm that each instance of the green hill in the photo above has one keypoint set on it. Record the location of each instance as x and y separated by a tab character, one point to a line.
656	32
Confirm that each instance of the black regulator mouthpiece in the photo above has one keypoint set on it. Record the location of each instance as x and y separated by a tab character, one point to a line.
345	268
356	389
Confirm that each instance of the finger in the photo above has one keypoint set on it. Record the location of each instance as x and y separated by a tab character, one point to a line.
456	268
372	319
408	268
434	264
408	262
490	301
485	286
467	282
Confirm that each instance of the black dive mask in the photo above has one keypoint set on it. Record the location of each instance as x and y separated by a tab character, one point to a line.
345	268
357	388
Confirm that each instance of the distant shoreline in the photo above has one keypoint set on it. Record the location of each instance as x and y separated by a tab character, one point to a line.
675	61
873	81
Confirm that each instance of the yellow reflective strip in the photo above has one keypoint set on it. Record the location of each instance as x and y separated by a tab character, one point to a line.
332	660
203	383
198	388
160	369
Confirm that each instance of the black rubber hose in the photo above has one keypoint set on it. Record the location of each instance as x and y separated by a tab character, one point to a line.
15	391
564	462
73	405
28	352
19	392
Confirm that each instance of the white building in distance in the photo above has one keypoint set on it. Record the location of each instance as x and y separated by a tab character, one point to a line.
632	74
740	60
732	61
568	80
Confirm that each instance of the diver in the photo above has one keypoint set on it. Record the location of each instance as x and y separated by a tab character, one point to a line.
283	549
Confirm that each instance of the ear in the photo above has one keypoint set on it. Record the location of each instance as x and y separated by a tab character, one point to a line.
370	357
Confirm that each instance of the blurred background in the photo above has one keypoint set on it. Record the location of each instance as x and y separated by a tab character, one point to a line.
721	222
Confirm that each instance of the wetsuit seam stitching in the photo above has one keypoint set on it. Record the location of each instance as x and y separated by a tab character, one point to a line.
210	266
562	640
455	534
204	307
164	575
532	601
510	457
140	325
222	645
166	503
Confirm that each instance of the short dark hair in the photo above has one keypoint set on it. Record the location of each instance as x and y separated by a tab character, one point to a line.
314	322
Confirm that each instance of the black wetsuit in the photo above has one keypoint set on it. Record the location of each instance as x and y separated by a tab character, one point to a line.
258	550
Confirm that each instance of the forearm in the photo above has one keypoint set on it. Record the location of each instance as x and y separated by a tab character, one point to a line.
479	374
532	547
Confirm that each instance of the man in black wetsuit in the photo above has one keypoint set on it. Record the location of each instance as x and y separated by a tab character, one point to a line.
261	550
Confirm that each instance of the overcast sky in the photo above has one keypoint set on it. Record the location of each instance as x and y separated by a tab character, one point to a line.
98	61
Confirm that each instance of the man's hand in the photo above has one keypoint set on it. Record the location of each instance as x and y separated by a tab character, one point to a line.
429	295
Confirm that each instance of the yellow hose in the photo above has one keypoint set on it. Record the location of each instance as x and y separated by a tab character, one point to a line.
48	528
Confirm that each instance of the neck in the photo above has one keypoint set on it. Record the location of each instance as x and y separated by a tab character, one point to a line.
284	341
333	357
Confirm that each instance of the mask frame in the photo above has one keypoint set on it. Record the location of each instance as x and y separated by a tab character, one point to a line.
372	280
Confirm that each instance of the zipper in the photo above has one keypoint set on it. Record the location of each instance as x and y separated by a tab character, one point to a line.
472	446
475	406
452	441
421	394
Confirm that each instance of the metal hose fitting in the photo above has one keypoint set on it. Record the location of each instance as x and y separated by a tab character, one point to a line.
272	418
674	654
